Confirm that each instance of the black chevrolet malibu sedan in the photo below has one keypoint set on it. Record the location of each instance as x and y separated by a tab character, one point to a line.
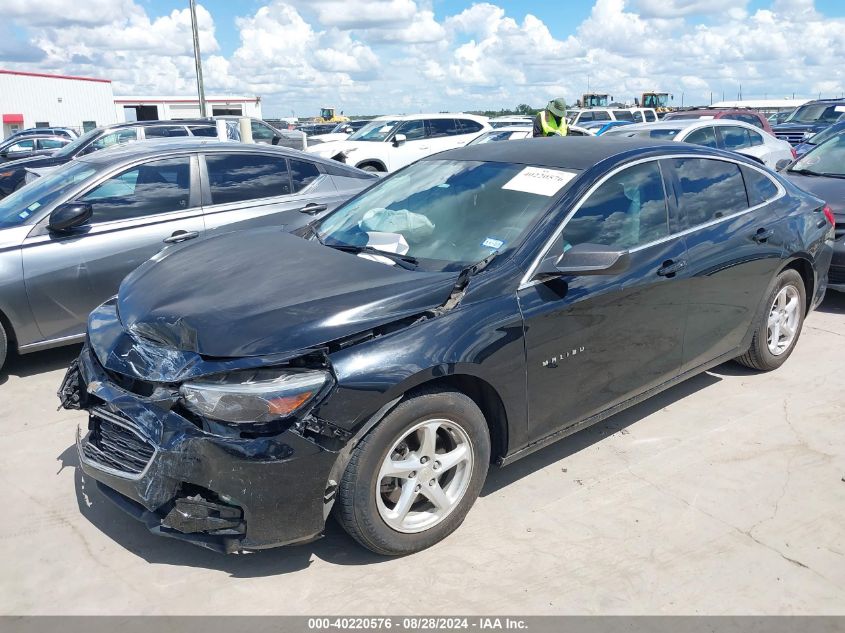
467	310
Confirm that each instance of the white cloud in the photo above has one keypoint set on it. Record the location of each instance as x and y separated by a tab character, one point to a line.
378	56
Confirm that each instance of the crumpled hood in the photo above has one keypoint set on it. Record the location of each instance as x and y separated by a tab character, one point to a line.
264	291
831	190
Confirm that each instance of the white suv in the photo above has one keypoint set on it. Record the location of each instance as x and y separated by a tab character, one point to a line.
391	142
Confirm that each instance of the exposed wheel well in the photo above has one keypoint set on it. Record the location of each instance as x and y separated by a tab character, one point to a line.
488	401
805	269
371	163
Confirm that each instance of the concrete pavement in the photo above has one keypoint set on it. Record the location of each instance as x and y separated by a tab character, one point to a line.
723	495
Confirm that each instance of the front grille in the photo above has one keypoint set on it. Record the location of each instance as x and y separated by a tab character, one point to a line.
115	444
794	138
836	276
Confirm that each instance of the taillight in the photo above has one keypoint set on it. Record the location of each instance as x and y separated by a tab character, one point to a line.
794	153
828	213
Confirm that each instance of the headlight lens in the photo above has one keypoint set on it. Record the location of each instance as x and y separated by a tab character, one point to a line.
253	397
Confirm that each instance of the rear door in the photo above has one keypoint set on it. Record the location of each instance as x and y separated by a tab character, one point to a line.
597	340
244	190
734	248
135	211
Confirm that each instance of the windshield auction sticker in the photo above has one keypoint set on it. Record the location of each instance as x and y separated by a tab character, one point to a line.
539	181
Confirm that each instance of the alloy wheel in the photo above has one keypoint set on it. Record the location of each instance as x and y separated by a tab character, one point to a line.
783	320
424	475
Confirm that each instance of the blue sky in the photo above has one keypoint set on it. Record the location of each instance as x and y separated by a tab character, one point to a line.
388	56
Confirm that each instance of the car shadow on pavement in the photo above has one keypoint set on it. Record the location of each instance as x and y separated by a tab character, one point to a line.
27	365
499	478
834	303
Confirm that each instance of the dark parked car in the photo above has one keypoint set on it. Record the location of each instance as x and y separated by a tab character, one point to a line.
67	240
821	171
64	132
25	146
817	139
14	175
810	118
242	388
745	115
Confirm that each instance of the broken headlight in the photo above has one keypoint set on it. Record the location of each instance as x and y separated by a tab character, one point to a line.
256	396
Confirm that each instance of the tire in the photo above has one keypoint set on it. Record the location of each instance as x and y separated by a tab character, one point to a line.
368	505
369	167
761	355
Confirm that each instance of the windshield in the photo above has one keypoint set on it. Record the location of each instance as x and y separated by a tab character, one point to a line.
816	113
375	131
667	134
827	159
821	137
71	148
503	135
19	206
446	214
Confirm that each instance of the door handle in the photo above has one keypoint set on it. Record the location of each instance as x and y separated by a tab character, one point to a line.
670	267
181	236
762	235
313	208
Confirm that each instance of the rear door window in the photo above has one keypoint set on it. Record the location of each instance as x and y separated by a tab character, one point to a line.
627	210
601	115
51	143
438	128
164	131
468	126
209	131
708	189
239	177
157	187
705	136
624	115
735	137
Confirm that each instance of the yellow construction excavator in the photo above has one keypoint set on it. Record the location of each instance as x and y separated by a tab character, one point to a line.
657	100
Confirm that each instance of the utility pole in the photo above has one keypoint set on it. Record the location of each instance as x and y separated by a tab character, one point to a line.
198	58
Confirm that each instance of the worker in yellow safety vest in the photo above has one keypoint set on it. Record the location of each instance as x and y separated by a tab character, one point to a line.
552	120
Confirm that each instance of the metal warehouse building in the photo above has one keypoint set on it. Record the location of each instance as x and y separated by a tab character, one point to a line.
40	100
152	108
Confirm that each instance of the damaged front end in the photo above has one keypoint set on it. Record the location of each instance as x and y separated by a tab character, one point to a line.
172	440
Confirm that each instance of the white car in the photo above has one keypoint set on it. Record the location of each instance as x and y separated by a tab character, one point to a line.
644	115
580	117
507	133
734	136
389	143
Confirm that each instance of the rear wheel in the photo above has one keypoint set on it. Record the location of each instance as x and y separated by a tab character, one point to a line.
370	167
778	328
414	477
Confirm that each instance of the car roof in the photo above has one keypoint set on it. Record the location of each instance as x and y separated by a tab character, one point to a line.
511	128
157	147
436	115
562	152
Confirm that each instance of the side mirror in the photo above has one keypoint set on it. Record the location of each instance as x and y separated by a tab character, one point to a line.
782	164
584	259
70	215
399	139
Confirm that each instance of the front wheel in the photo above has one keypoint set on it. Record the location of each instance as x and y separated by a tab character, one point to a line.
414	477
4	346
778	328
